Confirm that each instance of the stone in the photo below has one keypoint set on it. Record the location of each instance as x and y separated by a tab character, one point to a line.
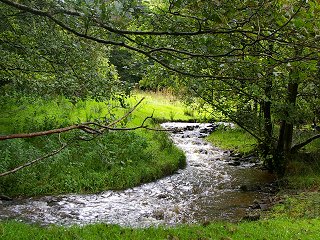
264	207
235	163
252	217
161	196
244	188
255	206
5	198
235	155
159	215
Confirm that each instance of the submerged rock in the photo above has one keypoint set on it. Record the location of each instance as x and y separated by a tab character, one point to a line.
255	216
5	198
161	196
235	163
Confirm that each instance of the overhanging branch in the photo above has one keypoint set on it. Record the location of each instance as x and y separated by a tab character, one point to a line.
297	147
86	127
146	49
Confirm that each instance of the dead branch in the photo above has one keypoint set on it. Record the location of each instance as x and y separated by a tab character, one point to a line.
86	127
34	161
127	114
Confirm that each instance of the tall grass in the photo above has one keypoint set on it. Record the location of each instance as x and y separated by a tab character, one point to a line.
166	107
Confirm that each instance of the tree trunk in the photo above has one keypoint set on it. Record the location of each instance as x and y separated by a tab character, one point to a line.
286	128
267	103
266	109
280	145
292	97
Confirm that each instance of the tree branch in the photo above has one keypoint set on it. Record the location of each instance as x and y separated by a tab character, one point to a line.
148	53
34	161
127	114
114	30
297	147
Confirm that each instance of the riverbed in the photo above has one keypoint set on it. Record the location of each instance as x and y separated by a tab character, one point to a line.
208	189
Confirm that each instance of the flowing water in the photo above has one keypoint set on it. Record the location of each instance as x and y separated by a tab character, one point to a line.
207	189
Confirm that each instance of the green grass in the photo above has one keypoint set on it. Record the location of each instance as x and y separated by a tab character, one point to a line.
303	169
297	205
31	114
165	107
116	160
232	139
270	229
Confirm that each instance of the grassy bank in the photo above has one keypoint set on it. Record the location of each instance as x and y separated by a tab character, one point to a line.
25	114
232	139
299	195
115	160
280	228
303	169
165	106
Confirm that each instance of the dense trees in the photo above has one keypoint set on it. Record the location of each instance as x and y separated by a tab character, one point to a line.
255	61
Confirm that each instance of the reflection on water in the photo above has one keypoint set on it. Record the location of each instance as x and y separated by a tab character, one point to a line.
207	189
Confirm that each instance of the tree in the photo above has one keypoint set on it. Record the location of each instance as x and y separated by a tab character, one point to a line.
255	61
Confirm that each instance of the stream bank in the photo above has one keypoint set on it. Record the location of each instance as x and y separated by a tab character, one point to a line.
209	188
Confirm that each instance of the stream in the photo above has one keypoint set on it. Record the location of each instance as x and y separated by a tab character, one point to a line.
207	189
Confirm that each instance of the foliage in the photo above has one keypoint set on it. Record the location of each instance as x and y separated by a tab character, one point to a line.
39	58
130	67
